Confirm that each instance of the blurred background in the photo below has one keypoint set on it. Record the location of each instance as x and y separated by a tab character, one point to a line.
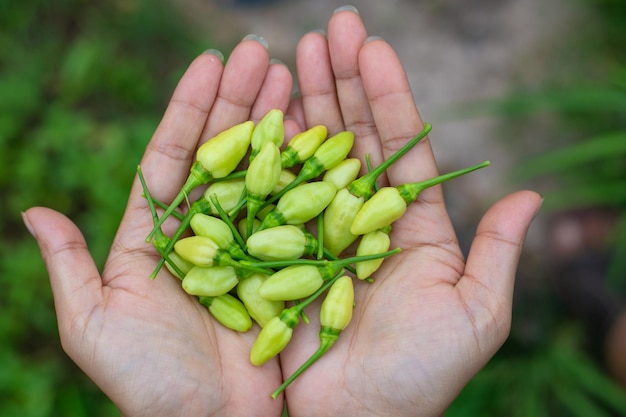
536	86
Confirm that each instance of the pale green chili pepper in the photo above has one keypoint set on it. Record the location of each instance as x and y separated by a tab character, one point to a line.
216	158
277	332
281	242
181	265
261	178
388	204
335	315
286	178
270	129
328	155
376	241
303	145
340	214
303	276
203	251
229	311
217	230
210	281
260	309
343	173
300	204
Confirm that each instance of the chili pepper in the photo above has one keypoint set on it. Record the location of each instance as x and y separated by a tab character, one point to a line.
228	192
260	309
272	339
328	155
270	129
262	176
286	178
340	214
210	281
376	241
281	242
343	173
335	315
277	332
303	145
389	203
216	158
303	276
203	251
217	230
300	204
179	264
229	311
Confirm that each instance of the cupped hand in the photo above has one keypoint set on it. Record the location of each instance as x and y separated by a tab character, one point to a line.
151	348
431	319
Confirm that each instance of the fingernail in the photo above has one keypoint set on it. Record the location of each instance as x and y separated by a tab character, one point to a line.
256	38
216	53
29	227
373	38
276	61
320	31
346	8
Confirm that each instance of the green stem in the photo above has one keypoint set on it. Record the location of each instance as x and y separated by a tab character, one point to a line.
410	191
362	187
198	176
335	264
328	337
161	242
320	236
228	221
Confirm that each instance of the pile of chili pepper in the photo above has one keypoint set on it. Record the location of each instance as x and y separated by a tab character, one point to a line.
268	232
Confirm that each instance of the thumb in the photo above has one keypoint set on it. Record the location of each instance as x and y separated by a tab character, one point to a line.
74	277
489	278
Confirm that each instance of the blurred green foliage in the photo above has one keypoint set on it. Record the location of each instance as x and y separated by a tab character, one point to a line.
569	133
83	86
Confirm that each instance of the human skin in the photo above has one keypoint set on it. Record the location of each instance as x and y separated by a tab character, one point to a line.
429	322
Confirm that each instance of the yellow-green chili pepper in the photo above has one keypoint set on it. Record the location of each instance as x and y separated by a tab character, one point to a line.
181	264
216	158
262	176
210	281
300	204
340	215
376	241
229	311
281	242
270	129
277	332
260	309
388	204
335	315
328	155
343	173
303	145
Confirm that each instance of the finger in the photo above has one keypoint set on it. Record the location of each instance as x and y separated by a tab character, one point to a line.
488	281
395	113
317	83
275	91
169	154
241	82
74	277
346	35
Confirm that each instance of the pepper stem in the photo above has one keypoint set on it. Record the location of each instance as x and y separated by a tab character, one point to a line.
198	176
410	191
328	337
362	187
336	264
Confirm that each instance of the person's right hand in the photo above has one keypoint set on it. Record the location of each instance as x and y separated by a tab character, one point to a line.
154	350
